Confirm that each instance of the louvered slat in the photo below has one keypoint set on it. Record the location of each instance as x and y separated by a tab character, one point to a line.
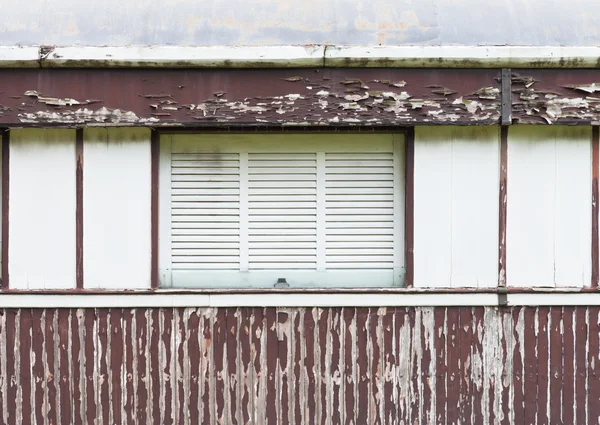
205	202
359	205
277	195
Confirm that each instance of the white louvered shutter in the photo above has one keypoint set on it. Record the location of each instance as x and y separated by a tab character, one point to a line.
319	211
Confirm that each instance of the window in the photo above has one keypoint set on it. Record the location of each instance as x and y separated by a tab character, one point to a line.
279	210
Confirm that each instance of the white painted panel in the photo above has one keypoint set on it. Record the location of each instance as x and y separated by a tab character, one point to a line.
42	209
549	206
456	206
116	208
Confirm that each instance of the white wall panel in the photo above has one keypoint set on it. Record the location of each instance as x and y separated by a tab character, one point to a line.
456	206
116	208
549	206
42	209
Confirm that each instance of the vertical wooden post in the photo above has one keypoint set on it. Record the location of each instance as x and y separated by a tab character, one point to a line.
409	214
155	154
5	205
502	207
595	171
79	207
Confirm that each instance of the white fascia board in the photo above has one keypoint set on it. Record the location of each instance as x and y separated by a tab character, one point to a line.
343	299
463	56
19	57
302	56
185	57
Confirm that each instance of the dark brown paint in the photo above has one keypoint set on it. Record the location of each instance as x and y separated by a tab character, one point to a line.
79	207
155	153
502	205
5	205
595	207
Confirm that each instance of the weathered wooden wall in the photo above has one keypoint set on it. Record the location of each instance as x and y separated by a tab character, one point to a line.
467	365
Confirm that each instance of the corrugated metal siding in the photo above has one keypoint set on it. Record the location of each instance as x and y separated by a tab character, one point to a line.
300	366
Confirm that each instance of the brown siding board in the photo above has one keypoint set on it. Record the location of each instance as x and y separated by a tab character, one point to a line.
440	324
465	338
556	373
4	284
531	365
91	350
311	344
64	364
386	350
232	330
518	408
581	364
388	365
543	368
26	366
594	365
568	374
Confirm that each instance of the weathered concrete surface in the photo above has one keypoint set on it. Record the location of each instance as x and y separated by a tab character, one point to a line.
279	22
467	365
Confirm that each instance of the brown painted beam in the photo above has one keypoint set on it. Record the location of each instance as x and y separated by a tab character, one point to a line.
155	153
5	205
79	207
502	204
252	97
409	215
595	236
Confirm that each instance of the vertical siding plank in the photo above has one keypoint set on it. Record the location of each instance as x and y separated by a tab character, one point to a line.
169	381
581	364
64	375
402	390
208	377
298	382
311	414
506	372
259	366
518	402
362	377
25	371
219	336
375	393
3	374
543	368
194	358
441	349
283	364
388	365
428	370
130	362
76	326
154	348
103	353
594	365
182	368
141	338
271	354
91	365
477	362
245	372
465	337
349	377
336	366
455	369
415	365
51	401
556	374
568	374
232	365
531	367
12	355
38	365
116	362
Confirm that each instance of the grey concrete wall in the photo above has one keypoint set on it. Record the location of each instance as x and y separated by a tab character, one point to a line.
281	22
